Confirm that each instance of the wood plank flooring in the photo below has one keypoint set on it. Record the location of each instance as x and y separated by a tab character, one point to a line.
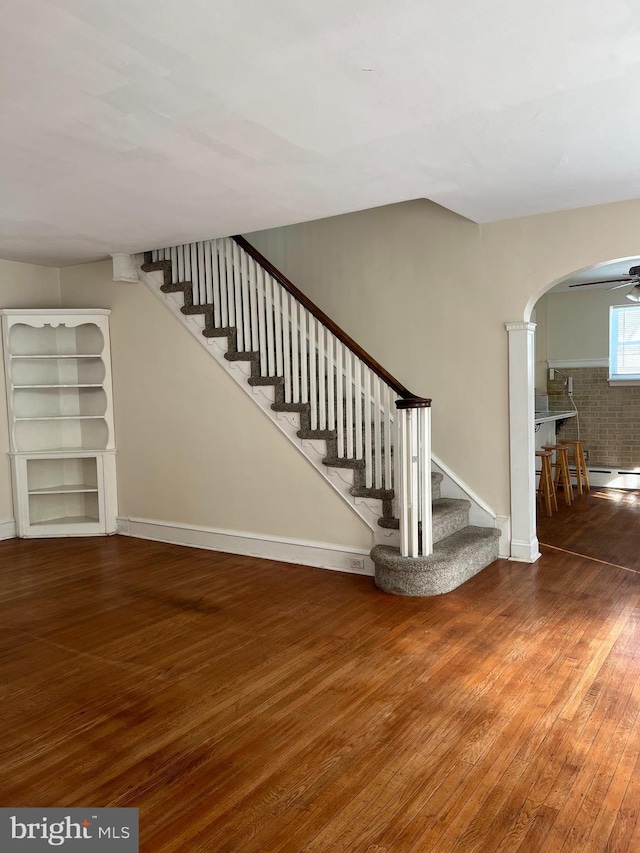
603	523
246	705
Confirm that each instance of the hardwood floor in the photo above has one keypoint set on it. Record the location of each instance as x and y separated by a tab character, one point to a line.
246	705
603	523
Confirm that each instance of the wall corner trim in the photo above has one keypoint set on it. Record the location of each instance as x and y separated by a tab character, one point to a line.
124	267
323	555
7	528
503	523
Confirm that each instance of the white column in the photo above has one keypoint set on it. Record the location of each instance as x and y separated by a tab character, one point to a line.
524	542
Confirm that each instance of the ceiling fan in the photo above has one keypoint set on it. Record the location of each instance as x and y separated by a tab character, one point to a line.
632	278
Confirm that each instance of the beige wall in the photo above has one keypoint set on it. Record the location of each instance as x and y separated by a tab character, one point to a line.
192	447
579	323
427	293
21	286
540	317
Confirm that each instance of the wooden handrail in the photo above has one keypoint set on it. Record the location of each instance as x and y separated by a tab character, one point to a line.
319	314
414	403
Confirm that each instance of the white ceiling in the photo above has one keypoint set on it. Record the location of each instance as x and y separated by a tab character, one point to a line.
132	124
599	277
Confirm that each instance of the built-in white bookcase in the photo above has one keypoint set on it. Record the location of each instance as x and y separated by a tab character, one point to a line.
60	406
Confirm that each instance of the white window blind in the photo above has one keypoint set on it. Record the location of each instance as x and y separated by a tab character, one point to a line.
624	342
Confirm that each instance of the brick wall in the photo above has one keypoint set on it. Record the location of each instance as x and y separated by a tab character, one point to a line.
609	416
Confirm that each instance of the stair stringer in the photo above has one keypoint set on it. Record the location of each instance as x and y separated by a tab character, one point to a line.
369	510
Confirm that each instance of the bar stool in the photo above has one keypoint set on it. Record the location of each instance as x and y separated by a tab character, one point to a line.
546	489
576	456
560	468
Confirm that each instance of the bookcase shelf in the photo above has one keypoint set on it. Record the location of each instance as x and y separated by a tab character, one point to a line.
59	400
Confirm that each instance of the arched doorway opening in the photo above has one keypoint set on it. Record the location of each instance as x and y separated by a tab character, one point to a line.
593	331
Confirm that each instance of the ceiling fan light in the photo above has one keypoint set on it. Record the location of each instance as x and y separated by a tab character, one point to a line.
634	293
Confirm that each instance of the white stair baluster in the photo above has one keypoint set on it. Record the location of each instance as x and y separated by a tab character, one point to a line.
202	286
322	373
357	367
215	284
313	380
237	293
208	277
181	275
193	254
262	332
224	286
277	316
388	461
348	381
246	304
368	414
173	255
186	249
377	435
331	402
304	355
268	301
340	398
295	350
286	347
253	300
231	297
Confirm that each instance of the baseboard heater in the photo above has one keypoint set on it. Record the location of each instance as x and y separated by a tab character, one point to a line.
613	478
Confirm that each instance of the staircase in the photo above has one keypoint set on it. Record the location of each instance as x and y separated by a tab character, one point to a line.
362	430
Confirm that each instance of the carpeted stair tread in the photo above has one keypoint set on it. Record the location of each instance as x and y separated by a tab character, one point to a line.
342	462
317	434
455	559
242	356
199	309
291	407
364	492
449	515
266	380
220	332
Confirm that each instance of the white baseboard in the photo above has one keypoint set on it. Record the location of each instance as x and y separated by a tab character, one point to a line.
316	554
7	529
525	552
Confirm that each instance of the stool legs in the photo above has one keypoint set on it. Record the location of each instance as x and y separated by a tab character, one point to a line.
583	465
578	458
561	470
546	487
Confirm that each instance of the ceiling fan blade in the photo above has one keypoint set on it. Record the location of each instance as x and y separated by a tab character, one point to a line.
604	281
624	284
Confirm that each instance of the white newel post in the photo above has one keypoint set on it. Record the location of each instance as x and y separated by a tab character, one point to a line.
524	542
414	493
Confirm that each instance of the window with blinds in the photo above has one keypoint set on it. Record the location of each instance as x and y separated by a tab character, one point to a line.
624	342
